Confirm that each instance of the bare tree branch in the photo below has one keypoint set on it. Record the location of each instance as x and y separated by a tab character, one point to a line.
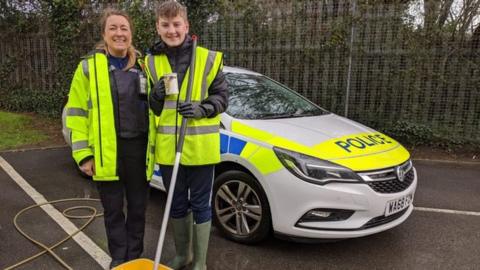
470	11
445	10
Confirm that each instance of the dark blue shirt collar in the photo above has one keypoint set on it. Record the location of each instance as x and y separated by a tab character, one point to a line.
117	62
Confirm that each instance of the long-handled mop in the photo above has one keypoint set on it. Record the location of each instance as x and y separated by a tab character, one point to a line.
144	264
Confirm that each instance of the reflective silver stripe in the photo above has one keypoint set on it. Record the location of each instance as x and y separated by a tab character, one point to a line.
208	68
111	68
134	70
77	112
172	104
79	145
151	65
190	130
85	68
89	104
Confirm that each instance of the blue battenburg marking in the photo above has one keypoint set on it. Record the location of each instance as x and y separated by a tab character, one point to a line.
223	143
236	146
157	173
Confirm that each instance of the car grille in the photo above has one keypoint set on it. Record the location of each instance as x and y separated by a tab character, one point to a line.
387	181
392	186
377	221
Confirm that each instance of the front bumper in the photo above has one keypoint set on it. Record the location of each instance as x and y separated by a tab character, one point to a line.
290	198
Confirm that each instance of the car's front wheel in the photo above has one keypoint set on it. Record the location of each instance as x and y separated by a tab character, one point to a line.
240	209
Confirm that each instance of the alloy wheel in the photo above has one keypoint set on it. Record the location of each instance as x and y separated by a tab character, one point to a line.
238	208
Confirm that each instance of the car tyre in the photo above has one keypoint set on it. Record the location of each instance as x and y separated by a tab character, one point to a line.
240	208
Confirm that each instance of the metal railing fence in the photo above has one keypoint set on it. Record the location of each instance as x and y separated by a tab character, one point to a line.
371	62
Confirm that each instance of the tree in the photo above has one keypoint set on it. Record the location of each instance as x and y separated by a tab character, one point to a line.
456	17
199	12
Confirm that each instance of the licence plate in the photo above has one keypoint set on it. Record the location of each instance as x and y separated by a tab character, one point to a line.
397	205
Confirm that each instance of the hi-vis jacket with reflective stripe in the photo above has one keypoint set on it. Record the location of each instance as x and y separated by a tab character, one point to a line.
90	117
202	138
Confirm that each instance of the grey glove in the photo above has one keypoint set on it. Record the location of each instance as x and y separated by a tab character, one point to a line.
190	110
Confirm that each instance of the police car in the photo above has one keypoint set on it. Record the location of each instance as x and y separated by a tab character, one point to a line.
294	169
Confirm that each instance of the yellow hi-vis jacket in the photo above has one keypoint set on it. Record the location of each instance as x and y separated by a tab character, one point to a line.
202	137
90	117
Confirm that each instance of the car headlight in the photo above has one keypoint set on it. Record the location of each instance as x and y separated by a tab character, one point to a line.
315	170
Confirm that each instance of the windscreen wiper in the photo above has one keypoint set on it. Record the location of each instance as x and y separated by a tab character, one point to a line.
278	115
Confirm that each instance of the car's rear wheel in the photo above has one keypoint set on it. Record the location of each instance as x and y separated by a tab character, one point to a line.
240	209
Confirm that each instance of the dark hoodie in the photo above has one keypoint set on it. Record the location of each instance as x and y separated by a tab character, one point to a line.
179	59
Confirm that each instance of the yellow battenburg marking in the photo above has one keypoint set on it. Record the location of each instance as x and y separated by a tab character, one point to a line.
294	146
354	145
248	150
248	131
359	152
386	159
266	161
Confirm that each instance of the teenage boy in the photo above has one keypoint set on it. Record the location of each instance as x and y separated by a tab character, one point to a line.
191	209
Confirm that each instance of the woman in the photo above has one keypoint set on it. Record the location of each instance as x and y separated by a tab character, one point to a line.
112	130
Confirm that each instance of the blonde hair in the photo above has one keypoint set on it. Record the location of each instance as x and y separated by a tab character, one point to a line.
131	51
171	9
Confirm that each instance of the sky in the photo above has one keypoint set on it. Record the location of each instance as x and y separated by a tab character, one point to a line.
416	10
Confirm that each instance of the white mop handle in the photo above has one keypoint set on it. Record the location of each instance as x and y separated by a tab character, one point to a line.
166	214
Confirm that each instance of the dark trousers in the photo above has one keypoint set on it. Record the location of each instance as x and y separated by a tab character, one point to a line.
125	236
193	190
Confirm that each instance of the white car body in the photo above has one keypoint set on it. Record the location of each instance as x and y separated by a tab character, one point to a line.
323	136
289	197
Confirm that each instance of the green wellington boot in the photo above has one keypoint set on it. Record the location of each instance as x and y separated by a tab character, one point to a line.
201	235
182	233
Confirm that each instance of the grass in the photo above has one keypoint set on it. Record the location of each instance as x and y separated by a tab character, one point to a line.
17	130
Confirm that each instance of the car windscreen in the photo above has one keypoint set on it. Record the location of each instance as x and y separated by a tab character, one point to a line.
258	97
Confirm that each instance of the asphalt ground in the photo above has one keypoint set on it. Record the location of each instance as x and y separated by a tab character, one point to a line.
442	233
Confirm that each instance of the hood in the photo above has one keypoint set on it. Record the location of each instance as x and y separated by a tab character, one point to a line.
329	137
310	131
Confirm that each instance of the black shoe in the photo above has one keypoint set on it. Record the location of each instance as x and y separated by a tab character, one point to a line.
116	263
